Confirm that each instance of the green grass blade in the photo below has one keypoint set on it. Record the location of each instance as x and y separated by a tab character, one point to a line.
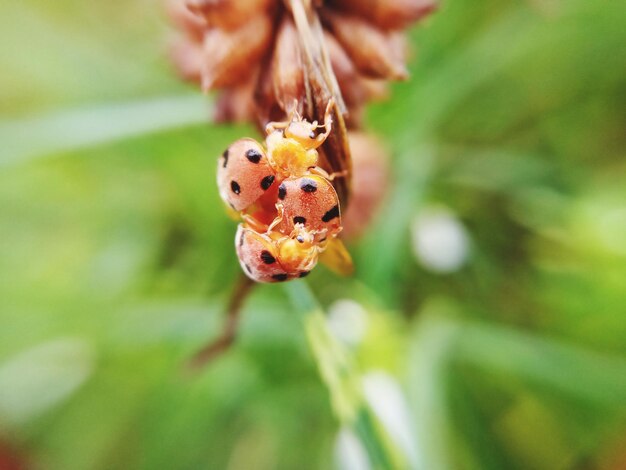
65	131
342	380
591	376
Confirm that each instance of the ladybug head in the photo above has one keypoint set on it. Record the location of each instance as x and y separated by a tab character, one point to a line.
298	252
306	133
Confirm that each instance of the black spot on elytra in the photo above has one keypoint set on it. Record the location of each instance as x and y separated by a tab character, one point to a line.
267	257
248	268
308	186
253	155
241	239
304	274
282	191
267	182
280	277
234	186
225	155
299	220
331	214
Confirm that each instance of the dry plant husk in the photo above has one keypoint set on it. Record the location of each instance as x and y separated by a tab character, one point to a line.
269	58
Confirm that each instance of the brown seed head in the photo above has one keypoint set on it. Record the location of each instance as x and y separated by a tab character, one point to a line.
229	14
287	68
230	56
363	39
376	53
388	14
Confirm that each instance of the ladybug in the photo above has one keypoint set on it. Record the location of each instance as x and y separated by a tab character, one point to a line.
247	174
310	202
274	257
292	145
244	174
289	207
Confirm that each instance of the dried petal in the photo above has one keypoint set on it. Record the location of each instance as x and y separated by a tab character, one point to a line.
229	14
266	105
230	56
236	104
357	90
376	53
370	182
376	89
187	58
287	67
394	14
347	75
193	25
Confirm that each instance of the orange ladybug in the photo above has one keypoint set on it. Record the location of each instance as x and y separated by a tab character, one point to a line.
312	202
292	145
289	207
244	174
275	257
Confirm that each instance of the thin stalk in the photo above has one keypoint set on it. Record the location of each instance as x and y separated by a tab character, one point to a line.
340	376
226	339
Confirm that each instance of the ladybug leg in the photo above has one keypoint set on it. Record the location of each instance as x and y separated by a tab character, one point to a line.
253	223
328	125
328	122
295	115
279	218
328	115
282	125
274	126
294	110
329	176
338	174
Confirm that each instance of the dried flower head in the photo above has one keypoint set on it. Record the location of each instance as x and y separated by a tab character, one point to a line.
229	44
268	56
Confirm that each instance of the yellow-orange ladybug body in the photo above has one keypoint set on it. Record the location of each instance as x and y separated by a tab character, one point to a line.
292	145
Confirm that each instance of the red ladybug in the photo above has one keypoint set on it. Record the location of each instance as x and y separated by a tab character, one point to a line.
244	174
311	202
289	207
274	257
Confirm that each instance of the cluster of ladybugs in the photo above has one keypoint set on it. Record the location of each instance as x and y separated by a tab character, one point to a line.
289	208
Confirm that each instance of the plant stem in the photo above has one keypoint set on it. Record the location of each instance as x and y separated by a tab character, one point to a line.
225	340
341	378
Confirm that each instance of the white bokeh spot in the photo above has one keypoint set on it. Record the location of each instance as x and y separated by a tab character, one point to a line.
347	320
440	241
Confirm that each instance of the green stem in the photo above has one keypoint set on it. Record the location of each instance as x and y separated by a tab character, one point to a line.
342	379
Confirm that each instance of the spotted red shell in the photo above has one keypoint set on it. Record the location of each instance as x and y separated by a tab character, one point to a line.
259	257
244	174
312	201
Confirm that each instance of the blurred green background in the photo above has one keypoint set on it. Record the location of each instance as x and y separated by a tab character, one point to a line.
486	324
